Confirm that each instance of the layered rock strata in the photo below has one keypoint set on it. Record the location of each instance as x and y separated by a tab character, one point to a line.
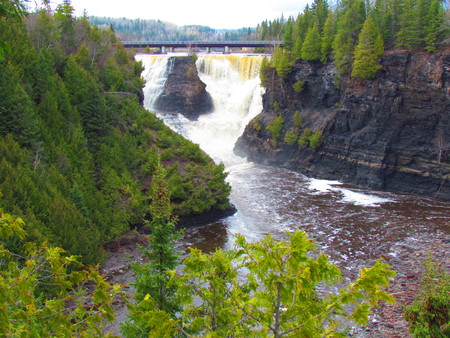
389	133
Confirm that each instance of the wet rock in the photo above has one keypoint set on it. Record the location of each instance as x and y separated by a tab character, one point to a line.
184	92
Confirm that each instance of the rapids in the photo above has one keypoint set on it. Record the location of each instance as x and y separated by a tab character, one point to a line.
352	225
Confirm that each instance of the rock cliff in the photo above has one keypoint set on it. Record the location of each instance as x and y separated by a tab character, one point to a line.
184	92
389	133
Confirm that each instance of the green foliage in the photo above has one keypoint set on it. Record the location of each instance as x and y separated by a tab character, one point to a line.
42	292
282	63
303	140
256	123
263	72
349	23
152	277
316	140
276	107
298	120
299	86
434	22
77	156
310	139
275	127
367	51
291	137
278	295
311	48
429	315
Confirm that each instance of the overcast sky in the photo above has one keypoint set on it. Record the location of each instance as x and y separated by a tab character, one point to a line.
213	13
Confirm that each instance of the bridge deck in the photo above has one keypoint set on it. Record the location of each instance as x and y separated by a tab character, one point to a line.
210	44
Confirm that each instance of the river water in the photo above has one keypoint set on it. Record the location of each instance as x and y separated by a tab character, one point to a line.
352	225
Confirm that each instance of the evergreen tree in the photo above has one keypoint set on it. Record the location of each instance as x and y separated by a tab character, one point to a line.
409	30
152	278
327	38
350	20
311	48
433	25
369	48
278	296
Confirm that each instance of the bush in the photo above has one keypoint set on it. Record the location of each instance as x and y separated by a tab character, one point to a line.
291	137
298	121
299	86
316	140
429	315
275	126
303	140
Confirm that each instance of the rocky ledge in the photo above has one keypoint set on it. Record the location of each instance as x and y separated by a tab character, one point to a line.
184	92
390	133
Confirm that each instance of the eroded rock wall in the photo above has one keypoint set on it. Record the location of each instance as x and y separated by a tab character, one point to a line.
184	92
390	133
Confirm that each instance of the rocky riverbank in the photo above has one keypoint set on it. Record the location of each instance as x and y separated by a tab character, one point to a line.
389	133
407	257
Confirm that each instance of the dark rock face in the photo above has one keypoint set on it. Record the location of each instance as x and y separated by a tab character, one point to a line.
390	133
184	92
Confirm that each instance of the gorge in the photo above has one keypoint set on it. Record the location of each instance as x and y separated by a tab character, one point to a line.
351	224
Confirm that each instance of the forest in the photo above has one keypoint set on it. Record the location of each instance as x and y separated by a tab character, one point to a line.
354	34
78	150
82	162
157	30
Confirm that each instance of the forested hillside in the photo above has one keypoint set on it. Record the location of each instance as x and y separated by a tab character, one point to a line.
77	150
356	33
156	30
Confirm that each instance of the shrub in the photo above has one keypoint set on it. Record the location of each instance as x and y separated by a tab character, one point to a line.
291	137
315	140
429	315
275	126
299	86
298	121
303	140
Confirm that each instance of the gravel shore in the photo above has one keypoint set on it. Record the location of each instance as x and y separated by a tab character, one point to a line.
407	258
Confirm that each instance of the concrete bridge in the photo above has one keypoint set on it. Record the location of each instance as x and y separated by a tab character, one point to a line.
226	46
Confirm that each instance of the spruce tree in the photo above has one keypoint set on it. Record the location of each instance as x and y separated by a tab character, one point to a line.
152	278
311	48
350	20
433	25
368	50
327	38
408	35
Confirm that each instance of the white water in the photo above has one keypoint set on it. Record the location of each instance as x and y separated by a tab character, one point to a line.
350	224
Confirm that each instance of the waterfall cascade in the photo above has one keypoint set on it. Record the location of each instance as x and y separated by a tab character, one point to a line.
234	85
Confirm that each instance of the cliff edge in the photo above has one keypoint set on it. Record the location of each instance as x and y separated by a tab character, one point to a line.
390	133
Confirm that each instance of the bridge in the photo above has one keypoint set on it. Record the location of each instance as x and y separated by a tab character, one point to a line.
170	46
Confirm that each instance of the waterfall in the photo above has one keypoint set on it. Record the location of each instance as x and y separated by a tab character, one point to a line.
156	68
234	85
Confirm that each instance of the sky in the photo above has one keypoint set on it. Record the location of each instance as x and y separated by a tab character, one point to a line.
230	14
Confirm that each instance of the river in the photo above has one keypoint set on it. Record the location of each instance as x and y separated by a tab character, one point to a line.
352	225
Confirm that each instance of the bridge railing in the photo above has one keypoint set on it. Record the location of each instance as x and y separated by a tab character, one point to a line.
203	43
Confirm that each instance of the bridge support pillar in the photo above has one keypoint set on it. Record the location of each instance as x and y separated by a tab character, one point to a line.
208	50
227	50
163	49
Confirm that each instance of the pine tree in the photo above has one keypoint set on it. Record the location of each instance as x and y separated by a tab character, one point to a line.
311	48
369	49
